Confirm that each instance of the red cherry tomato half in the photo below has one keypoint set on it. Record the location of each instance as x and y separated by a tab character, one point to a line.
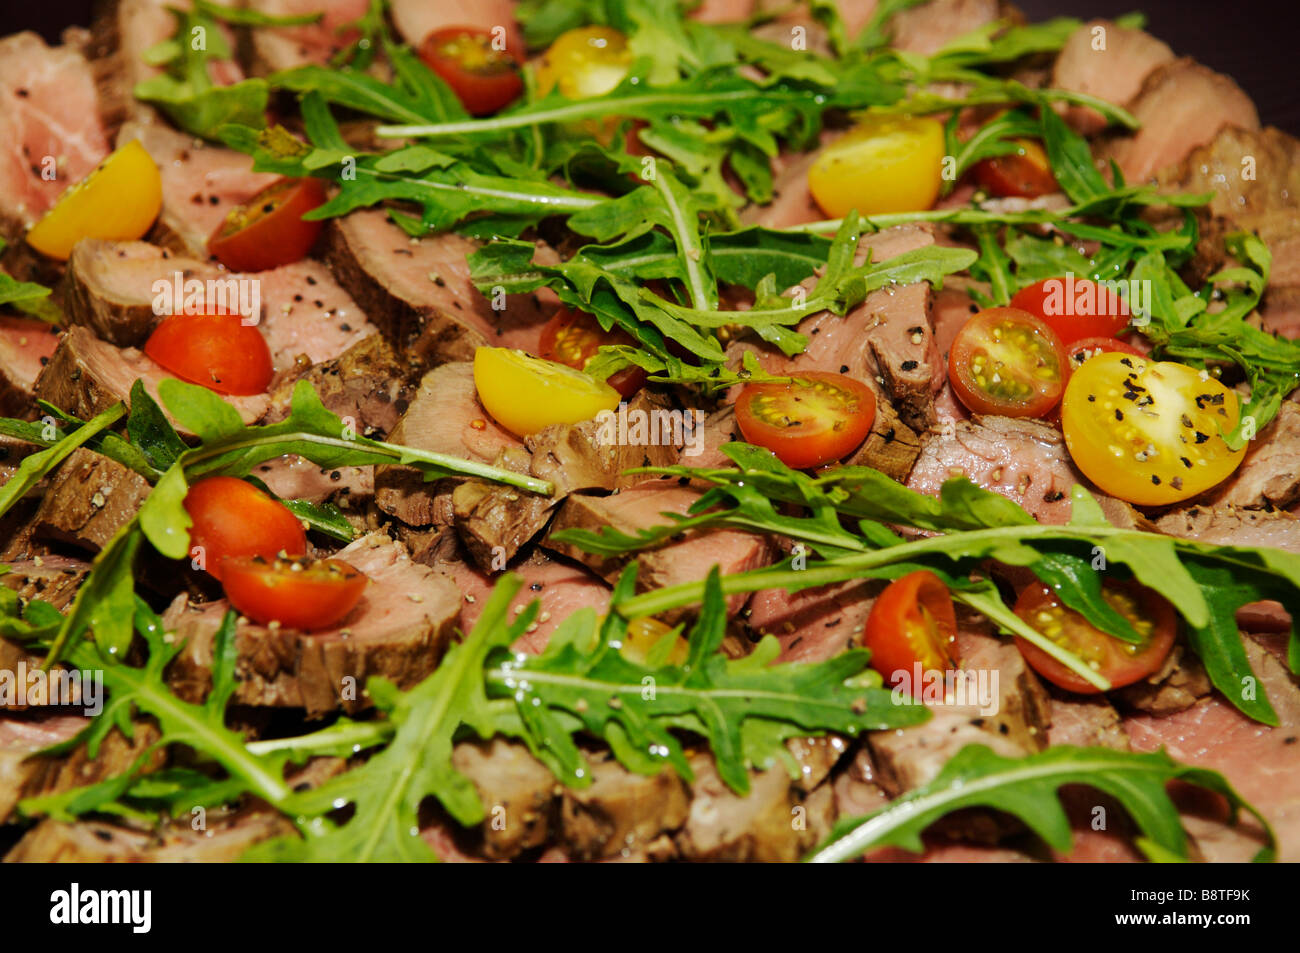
218	351
1075	308
816	418
296	593
573	337
1119	662
1006	361
912	622
233	518
1025	173
483	78
1085	348
268	230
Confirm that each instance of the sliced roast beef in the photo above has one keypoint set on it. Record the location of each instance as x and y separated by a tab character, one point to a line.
292	477
723	826
225	839
1182	105
306	312
1024	460
643	506
1270	474
86	375
1261	762
281	48
928	28
89	499
444	417
1023	707
907	758
49	124
1109	62
814	624
23	773
419	291
369	383
594	455
792	200
518	794
52	579
495	521
560	588
1230	526
201	183
621	812
1086	721
1178	684
399	630
26	345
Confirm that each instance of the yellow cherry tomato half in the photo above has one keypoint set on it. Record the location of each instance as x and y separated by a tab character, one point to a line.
118	200
1149	432
524	394
885	164
584	63
647	635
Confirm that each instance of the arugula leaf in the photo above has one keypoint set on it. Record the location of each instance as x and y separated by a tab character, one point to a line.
1027	787
27	296
150	431
583	675
323	517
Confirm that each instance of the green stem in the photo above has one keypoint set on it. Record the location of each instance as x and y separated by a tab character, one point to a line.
689	249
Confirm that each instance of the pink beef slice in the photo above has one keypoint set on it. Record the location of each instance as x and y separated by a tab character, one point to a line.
814	624
292	477
560	587
1270	474
1261	762
444	417
86	375
1024	460
641	507
400	630
927	28
1109	62
47	109
26	345
201	183
419	291
1182	105
792	202
280	48
416	19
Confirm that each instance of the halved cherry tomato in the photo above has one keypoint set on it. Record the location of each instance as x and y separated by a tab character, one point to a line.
884	164
585	63
647	633
912	622
218	351
1088	348
296	593
483	77
525	394
1149	432
1075	308
268	230
1026	173
118	200
1006	361
574	337
817	418
1120	663
234	518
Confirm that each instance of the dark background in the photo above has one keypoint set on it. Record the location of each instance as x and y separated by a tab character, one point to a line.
1256	42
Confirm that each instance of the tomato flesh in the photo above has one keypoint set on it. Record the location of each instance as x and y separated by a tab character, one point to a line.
218	351
912	623
1119	662
572	338
584	63
233	518
1087	348
816	418
1025	173
525	394
483	78
268	230
1149	432
1075	308
1006	361
883	165
296	593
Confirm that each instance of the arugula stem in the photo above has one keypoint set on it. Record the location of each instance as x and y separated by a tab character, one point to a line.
394	452
689	248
